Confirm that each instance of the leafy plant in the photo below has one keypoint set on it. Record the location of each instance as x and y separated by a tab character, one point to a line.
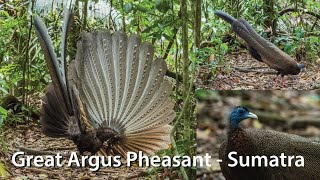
3	115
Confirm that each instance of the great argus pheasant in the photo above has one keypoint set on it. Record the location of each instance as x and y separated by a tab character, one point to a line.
255	142
112	98
262	49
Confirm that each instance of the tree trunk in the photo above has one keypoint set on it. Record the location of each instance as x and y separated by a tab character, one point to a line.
268	9
197	22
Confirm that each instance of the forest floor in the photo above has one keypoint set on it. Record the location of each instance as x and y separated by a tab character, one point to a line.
28	137
295	112
241	71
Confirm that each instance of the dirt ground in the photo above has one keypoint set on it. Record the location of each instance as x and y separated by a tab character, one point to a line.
295	112
29	136
260	76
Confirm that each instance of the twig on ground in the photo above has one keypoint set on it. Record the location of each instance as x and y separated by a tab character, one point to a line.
109	171
30	151
140	174
59	148
245	81
245	70
50	173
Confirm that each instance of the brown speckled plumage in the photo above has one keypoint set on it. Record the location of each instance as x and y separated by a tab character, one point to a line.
270	143
262	49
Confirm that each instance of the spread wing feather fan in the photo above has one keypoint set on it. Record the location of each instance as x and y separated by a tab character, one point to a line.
112	98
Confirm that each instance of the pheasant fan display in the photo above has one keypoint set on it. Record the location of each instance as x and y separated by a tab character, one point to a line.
113	98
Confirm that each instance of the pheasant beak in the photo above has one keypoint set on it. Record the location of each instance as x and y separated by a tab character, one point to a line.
302	67
252	116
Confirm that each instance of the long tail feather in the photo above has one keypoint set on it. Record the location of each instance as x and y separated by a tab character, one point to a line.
225	16
55	71
67	22
57	112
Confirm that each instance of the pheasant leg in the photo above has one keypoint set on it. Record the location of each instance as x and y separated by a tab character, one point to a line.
276	81
283	82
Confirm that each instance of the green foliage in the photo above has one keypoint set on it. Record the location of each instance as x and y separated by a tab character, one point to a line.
213	57
3	115
298	42
10	71
3	172
14	41
155	21
313	47
205	95
163	5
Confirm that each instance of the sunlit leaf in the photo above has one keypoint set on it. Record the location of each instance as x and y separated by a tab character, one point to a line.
3	172
127	7
3	115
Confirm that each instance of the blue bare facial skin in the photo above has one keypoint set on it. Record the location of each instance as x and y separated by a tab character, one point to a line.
238	114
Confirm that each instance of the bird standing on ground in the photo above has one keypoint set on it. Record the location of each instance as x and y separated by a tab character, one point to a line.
112	98
262	49
254	142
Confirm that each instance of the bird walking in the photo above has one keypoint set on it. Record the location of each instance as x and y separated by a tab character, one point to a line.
113	98
262	49
254	142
